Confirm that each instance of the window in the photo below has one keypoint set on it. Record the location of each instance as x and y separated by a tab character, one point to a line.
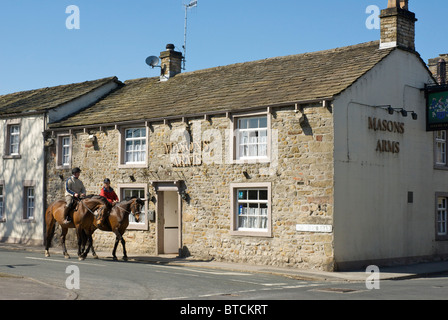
135	190
64	146
2	204
14	139
29	203
440	148
12	143
251	209
442	216
66	151
252	138
133	147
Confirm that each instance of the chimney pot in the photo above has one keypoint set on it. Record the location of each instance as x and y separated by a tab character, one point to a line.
170	46
402	4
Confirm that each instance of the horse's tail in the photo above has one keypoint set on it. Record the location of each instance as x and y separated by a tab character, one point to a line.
50	225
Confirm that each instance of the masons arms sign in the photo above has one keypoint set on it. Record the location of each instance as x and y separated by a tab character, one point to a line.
436	107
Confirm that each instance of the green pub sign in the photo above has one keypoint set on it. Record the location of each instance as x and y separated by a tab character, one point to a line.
436	108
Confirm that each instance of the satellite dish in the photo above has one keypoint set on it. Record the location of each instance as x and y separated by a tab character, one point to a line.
152	61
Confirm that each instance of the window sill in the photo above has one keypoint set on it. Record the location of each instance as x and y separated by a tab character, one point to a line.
137	226
13	156
63	167
251	160
440	167
132	165
260	234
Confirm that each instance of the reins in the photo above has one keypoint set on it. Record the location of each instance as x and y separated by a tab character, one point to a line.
84	205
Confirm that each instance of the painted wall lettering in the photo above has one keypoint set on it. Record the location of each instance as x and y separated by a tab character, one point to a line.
386	126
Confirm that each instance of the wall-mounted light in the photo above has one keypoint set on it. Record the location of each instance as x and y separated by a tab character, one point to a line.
402	111
390	110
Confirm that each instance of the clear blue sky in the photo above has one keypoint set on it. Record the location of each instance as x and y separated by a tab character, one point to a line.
115	36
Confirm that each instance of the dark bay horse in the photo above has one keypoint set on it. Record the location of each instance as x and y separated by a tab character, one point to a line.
118	221
82	219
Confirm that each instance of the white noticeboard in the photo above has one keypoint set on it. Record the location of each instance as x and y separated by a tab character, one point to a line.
326	228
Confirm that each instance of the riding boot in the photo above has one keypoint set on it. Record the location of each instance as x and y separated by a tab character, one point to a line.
67	219
100	220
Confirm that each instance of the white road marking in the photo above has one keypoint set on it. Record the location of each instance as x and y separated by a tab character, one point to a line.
229	273
71	261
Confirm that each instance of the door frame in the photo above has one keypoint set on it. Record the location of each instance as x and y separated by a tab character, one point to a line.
160	187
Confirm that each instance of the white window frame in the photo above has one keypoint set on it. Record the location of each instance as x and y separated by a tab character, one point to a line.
29	202
122	188
441	216
14	135
62	148
123	163
9	153
235	229
235	152
440	144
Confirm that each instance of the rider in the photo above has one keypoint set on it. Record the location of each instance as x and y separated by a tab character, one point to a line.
74	190
108	192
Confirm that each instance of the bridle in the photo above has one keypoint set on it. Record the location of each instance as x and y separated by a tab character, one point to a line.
130	212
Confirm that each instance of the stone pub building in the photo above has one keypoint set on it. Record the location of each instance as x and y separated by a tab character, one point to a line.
315	161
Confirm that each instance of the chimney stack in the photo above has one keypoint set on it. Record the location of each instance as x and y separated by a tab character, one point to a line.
437	66
171	62
398	26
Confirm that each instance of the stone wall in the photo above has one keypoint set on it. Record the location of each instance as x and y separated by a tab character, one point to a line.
301	178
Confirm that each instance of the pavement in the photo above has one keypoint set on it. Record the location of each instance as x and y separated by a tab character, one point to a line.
46	291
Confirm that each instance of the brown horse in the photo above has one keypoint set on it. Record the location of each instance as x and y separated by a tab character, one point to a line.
82	219
118	221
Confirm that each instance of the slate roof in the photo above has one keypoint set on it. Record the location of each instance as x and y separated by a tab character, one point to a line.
234	87
44	99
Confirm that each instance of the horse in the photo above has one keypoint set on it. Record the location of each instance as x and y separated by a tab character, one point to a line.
82	219
118	221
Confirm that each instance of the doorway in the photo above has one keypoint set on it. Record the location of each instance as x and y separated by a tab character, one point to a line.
169	217
171	222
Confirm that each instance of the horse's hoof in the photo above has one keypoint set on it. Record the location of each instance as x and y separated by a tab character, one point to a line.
66	256
125	258
94	256
81	258
47	254
114	258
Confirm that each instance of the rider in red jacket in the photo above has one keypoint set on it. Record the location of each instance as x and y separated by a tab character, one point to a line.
108	192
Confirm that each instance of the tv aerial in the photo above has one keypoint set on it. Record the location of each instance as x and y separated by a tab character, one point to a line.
153	61
192	4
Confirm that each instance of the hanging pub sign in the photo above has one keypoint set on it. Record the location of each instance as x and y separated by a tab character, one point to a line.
436	108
